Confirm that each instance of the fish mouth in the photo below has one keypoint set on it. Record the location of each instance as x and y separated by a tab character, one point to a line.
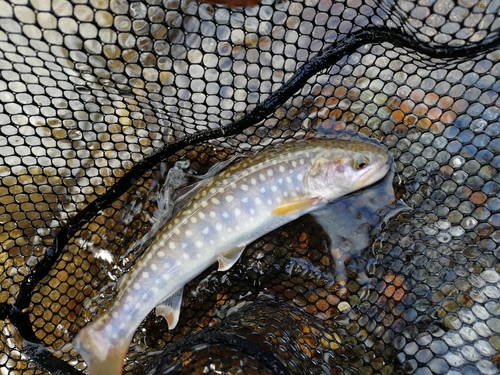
371	175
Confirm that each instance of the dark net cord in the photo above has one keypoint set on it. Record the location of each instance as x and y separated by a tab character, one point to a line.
44	359
248	334
323	60
245	346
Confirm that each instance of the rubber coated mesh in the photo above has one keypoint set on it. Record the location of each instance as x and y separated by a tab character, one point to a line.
99	98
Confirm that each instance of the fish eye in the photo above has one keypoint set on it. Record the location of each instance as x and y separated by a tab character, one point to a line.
360	162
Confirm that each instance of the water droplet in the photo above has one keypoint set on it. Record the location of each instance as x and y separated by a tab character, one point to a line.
443	237
457	161
443	224
429	230
75	134
459	177
457	231
469	223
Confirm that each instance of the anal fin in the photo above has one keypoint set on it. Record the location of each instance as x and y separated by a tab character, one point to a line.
229	258
170	308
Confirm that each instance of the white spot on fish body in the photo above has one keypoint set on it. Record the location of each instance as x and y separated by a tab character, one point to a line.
262	177
257	201
252	211
171	245
218	227
288	180
199	244
282	169
301	161
188	233
237	212
269	202
294	163
145	275
237	228
213	190
244	187
212	214
280	181
244	200
225	215
262	189
204	204
193	220
136	286
229	198
185	256
161	254
177	231
270	172
253	181
201	215
300	177
154	267
205	230
215	201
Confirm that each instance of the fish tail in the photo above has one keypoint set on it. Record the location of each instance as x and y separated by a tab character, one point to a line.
100	355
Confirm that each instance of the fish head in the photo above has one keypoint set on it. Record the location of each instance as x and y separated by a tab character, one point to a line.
343	167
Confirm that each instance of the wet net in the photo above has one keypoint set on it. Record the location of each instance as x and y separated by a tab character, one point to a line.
100	98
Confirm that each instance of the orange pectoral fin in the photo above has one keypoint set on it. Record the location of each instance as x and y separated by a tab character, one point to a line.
299	205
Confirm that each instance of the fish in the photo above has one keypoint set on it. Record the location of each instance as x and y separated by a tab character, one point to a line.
228	211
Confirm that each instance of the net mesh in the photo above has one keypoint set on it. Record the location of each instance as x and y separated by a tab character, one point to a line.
99	98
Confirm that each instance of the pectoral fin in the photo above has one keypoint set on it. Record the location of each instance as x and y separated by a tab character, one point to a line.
298	205
229	258
170	308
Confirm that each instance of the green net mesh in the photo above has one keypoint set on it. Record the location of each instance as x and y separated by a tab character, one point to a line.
99	99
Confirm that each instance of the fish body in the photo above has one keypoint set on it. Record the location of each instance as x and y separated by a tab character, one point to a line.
227	212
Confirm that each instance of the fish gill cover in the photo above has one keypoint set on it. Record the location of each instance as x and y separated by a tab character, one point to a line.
100	98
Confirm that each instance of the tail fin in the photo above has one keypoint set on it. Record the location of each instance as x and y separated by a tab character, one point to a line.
100	355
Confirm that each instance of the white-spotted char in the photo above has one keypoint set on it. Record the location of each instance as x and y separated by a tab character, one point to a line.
228	211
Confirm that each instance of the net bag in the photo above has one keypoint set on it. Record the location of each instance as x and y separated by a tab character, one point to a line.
100	98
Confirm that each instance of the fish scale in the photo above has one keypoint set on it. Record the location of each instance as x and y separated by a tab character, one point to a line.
228	211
